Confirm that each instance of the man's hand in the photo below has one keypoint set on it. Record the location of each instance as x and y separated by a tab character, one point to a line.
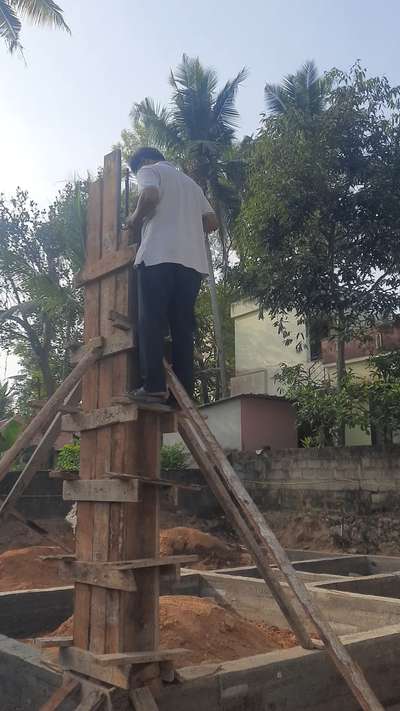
145	210
210	222
134	225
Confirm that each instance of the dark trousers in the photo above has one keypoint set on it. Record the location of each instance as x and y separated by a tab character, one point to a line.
167	296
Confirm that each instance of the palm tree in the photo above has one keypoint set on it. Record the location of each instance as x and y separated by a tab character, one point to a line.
40	12
197	130
303	91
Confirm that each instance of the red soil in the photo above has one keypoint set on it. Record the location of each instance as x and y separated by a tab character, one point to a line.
210	632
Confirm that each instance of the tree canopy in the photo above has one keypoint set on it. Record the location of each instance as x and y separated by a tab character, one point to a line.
320	225
40	311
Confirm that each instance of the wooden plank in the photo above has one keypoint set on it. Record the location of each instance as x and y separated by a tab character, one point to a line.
109	263
148	533
157	408
163	483
103	576
84	662
40	453
154	562
48	642
142	699
50	409
218	468
134	658
84	531
70	691
102	417
113	344
104	436
169	423
102	490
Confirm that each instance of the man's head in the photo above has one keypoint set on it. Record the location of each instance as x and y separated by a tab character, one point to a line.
144	156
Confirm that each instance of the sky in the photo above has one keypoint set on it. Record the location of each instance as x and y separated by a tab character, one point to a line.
64	107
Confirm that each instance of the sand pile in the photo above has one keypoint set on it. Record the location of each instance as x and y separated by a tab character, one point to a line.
209	631
24	569
212	552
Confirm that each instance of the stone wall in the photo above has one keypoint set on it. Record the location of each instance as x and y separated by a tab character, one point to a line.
353	480
350	479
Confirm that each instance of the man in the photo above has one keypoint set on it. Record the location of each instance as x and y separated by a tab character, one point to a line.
171	217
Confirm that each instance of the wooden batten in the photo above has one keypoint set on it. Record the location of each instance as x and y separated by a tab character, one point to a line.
109	577
101	490
113	344
84	662
120	320
105	266
49	642
99	418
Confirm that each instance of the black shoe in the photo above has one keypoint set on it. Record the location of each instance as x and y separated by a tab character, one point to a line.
143	395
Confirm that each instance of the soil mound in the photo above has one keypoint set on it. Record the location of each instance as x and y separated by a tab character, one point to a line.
212	552
209	631
24	569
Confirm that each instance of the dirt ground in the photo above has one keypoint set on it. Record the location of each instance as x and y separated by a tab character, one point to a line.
209	631
213	552
24	569
213	541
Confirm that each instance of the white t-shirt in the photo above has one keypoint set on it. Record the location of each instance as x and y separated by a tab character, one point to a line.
175	233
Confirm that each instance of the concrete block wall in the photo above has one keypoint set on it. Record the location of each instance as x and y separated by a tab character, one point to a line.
353	480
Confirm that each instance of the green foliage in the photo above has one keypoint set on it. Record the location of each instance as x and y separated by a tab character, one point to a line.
39	12
321	408
320	225
384	395
40	309
69	457
173	456
9	433
7	394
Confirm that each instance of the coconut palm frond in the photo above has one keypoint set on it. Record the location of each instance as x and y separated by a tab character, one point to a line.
275	99
304	91
41	12
10	26
224	110
153	125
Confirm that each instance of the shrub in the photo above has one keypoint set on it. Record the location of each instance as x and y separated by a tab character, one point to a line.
173	456
68	457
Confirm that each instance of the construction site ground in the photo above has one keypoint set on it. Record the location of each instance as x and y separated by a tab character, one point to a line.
221	610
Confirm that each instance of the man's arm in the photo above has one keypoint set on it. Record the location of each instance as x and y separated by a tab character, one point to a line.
210	222
147	203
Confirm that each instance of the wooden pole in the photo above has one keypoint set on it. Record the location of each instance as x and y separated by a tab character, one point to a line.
48	411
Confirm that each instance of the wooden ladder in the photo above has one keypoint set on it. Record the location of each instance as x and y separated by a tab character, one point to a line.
248	521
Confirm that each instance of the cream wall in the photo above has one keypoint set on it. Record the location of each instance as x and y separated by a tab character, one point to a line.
258	345
224	421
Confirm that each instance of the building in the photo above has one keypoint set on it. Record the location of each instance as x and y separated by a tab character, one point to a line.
260	350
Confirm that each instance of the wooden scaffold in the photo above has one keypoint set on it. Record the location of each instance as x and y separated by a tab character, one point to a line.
113	660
